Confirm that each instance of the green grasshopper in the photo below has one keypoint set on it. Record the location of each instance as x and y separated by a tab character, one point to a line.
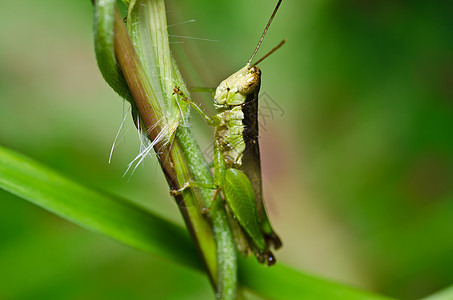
237	168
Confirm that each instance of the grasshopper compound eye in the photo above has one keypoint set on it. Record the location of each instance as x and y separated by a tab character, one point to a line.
252	81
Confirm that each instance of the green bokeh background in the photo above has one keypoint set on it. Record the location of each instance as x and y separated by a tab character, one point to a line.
357	166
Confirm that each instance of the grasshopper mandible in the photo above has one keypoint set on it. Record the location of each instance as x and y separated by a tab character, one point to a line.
237	166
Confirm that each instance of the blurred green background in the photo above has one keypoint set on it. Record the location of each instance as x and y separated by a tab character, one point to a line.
357	159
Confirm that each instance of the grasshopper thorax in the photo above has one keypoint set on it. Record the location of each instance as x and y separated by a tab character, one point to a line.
234	90
230	98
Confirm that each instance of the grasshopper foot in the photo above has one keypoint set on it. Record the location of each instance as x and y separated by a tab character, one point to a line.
177	192
176	90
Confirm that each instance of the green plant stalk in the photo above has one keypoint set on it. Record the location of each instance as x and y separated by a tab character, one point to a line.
172	159
222	266
226	249
112	36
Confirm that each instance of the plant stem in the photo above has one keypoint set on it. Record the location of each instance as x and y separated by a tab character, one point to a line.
180	159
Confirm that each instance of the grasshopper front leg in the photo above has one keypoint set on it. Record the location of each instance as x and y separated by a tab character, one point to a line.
189	184
213	121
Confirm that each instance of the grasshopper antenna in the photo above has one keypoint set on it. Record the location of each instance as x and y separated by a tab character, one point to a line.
270	52
264	32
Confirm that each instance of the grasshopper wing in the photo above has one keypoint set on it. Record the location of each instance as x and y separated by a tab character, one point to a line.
251	165
240	198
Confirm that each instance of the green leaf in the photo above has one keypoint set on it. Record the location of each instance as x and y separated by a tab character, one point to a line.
445	294
282	282
94	210
140	229
103	45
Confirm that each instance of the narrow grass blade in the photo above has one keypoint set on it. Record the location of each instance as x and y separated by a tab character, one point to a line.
96	211
282	282
445	294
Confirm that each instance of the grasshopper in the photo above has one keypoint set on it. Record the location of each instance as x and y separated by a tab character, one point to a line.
237	167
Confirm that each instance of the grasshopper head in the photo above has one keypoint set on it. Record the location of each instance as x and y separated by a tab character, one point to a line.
234	89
